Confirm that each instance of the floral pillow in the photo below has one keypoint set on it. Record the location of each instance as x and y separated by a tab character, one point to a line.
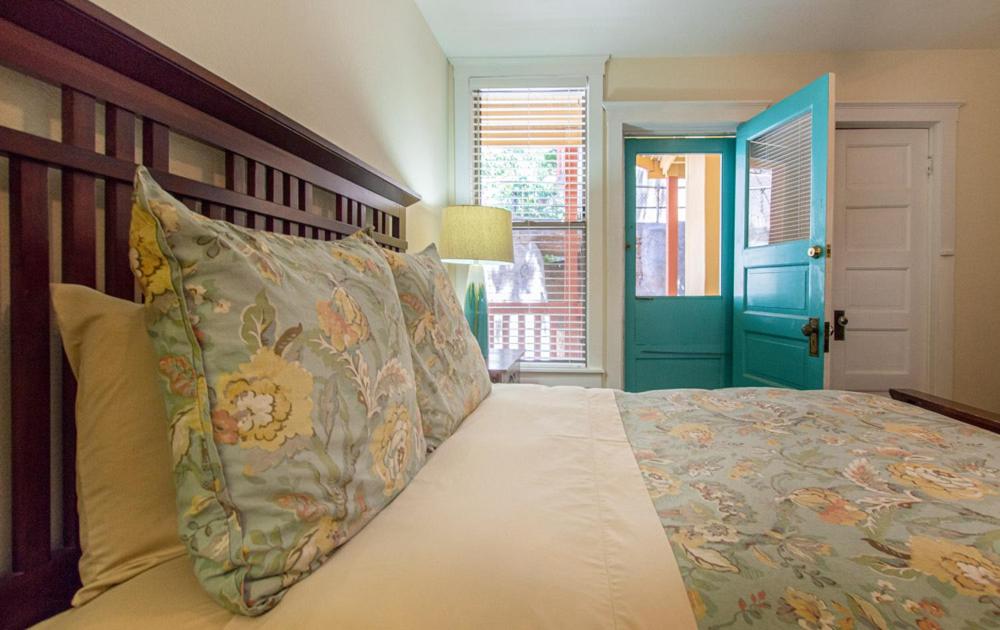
452	378
290	392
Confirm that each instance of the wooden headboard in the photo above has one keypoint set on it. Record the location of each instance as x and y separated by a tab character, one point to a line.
273	168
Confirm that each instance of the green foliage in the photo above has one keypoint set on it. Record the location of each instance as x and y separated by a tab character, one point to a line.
525	180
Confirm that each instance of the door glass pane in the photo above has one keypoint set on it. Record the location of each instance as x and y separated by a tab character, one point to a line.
677	223
779	196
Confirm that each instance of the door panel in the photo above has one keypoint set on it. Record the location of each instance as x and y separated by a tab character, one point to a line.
774	359
678	262
680	370
693	324
782	289
880	266
783	178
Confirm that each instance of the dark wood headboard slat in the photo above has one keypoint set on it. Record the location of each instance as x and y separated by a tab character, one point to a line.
45	590
155	145
119	143
57	154
79	266
36	56
30	402
115	44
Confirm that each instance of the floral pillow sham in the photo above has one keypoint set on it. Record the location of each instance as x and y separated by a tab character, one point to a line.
451	373
290	392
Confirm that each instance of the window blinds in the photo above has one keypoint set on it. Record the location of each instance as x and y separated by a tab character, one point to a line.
780	183
530	157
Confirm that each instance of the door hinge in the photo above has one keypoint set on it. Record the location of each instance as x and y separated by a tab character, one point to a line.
930	165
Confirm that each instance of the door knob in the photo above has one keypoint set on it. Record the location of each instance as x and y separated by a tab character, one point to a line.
815	251
839	325
810	327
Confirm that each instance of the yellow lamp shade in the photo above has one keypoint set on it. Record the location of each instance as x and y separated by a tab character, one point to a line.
476	234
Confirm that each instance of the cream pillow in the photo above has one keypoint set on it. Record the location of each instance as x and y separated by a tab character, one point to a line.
125	495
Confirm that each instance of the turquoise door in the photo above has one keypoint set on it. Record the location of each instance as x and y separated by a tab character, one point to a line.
784	177
678	262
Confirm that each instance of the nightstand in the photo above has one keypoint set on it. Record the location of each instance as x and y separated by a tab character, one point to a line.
505	365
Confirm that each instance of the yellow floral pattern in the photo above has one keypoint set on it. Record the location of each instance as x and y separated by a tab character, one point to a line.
268	399
822	510
148	263
938	481
964	567
289	383
389	447
451	374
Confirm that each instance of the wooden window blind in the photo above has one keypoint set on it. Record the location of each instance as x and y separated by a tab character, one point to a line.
530	157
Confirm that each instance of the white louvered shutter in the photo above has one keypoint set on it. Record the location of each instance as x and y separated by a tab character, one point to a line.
530	157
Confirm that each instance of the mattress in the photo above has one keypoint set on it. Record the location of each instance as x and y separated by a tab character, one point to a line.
533	515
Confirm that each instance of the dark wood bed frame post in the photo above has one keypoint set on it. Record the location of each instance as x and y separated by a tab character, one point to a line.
272	167
966	413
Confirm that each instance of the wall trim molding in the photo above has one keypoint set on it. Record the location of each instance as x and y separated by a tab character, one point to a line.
637	118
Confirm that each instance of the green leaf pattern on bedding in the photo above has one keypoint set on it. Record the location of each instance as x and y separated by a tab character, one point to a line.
822	510
290	392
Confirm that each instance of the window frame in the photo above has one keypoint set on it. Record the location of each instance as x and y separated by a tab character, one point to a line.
470	74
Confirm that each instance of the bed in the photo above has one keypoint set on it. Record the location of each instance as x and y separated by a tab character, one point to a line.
549	507
815	509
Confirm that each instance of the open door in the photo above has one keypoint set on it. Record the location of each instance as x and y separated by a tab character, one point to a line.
784	178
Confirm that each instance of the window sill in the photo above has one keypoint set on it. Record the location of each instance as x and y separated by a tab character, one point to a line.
560	369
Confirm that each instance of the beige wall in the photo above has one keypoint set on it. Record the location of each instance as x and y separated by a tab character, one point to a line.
970	76
368	76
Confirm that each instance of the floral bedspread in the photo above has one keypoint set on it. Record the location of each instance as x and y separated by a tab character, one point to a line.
822	509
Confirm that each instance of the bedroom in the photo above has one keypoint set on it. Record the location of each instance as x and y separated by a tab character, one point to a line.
363	114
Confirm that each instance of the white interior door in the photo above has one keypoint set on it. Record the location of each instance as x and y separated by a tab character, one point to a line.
881	259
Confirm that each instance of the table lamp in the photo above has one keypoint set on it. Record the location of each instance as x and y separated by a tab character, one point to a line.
473	235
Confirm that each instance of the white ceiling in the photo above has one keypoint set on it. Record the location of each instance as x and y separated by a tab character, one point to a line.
641	28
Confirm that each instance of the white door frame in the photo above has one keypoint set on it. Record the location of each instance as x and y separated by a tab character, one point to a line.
636	119
941	121
713	117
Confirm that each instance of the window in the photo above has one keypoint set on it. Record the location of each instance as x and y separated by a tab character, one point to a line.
678	200
530	157
780	185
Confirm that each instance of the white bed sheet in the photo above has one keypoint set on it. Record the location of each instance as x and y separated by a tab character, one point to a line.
533	515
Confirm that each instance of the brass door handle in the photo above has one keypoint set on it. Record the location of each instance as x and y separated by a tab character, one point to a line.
815	251
811	329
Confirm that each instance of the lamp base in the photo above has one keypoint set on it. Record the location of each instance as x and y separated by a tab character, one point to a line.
476	310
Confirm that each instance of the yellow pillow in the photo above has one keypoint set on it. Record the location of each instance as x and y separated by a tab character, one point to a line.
125	494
